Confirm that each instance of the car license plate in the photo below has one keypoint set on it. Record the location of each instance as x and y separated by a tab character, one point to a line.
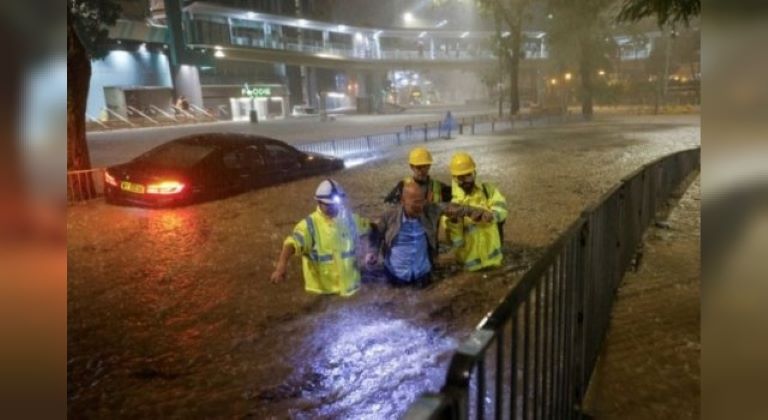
130	186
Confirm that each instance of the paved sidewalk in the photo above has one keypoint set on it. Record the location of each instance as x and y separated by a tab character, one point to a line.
649	368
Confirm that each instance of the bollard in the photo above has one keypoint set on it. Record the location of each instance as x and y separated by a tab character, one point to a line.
493	125
398	139
368	142
426	131
473	126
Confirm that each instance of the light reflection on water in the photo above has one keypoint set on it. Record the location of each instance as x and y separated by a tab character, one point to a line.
371	365
352	162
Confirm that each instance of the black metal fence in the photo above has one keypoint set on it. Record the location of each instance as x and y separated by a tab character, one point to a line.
411	134
532	357
85	185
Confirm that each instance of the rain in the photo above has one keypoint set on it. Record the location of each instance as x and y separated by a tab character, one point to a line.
171	312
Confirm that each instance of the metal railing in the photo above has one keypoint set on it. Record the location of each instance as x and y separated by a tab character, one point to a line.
85	185
532	357
412	133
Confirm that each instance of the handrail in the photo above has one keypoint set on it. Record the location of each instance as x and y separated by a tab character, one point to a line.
119	117
96	121
143	115
165	114
202	110
184	112
548	330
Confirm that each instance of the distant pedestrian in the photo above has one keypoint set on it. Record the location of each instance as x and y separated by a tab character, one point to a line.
182	103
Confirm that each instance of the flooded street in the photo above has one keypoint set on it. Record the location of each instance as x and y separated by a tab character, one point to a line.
171	312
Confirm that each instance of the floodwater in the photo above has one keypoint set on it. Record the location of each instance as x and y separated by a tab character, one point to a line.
171	313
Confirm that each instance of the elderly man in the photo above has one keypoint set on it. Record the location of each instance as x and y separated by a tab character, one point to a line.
407	234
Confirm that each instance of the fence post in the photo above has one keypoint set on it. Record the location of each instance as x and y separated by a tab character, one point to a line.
449	130
333	146
461	126
578	354
426	131
398	139
368	142
493	125
473	126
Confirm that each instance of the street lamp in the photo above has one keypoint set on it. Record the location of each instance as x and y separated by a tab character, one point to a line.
553	82
601	72
408	17
568	76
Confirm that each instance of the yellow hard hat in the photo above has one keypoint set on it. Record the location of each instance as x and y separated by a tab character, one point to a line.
462	164
420	156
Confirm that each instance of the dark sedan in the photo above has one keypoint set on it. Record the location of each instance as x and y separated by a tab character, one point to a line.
209	166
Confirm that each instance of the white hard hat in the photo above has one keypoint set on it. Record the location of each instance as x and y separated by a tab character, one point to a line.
329	192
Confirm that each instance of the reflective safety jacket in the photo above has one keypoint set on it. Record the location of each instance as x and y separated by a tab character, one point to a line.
478	244
328	251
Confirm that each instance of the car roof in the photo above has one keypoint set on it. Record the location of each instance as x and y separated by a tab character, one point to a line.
224	140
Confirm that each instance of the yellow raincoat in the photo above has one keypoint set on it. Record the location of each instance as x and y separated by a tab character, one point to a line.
327	247
477	244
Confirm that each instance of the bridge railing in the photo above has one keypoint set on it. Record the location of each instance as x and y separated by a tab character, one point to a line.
533	355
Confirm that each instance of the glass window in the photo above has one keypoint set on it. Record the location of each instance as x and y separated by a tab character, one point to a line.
176	155
278	154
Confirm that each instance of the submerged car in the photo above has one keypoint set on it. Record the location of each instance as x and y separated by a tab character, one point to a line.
203	167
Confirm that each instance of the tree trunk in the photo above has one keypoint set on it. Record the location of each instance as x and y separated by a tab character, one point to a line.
514	68
500	79
78	79
586	69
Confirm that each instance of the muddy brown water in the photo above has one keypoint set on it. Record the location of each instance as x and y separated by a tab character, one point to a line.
171	314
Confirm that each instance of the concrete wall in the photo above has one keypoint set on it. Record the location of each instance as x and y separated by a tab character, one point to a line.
126	69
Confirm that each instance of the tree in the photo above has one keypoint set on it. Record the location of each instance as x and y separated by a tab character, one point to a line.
668	13
509	16
579	33
87	22
665	11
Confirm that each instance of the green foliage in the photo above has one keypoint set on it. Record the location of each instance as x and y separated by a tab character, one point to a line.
665	11
91	18
581	30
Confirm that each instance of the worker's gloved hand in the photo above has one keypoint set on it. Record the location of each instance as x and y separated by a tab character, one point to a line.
371	258
487	217
278	275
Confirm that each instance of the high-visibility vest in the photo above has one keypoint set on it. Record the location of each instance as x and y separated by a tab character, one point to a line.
478	245
434	192
328	251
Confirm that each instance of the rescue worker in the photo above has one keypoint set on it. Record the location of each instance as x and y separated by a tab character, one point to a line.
328	241
434	191
408	235
477	243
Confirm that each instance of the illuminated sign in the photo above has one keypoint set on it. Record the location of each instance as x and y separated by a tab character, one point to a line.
257	91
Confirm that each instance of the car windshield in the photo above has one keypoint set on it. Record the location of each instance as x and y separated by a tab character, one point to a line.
176	155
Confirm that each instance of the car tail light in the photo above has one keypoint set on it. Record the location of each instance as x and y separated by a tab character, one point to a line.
165	187
109	179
